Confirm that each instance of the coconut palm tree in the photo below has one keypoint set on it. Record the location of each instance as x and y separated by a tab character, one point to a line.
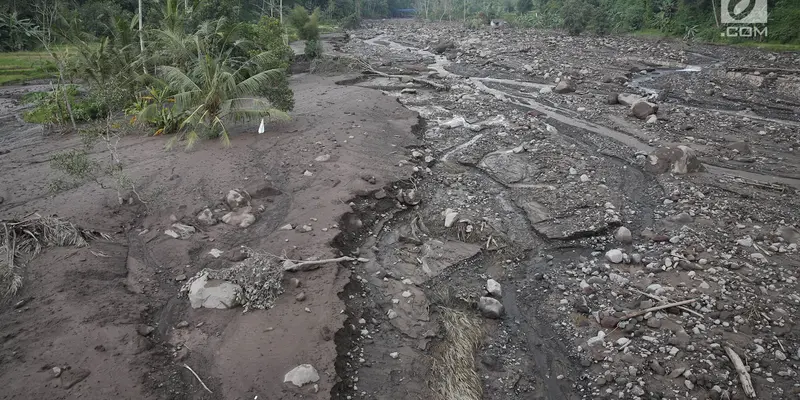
216	91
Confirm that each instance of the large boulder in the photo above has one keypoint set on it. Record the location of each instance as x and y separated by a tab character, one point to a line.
507	168
565	86
214	293
643	109
490	307
678	160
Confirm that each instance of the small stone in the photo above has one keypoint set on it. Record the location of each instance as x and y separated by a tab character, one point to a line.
145	330
609	322
306	228
780	355
394	355
182	324
307	173
300	296
657	368
215	253
494	288
380	194
623	235
323	158
585	178
56	372
689	384
181	277
614	255
450	217
286	227
294	282
302	375
235	199
206	217
392	314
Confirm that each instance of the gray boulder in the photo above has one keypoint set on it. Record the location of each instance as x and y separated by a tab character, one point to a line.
628	99
214	293
643	109
565	86
678	160
490	307
301	375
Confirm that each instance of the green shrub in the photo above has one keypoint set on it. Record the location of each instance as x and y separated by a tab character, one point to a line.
313	49
351	22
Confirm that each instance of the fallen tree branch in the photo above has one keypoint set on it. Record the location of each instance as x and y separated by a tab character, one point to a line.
296	266
744	376
656	308
665	300
198	378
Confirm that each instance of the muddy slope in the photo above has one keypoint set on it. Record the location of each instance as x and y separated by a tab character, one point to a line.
108	315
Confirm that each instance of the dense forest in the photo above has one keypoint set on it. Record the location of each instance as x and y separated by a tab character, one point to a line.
685	18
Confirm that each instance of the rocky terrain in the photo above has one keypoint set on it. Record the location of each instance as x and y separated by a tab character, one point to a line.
618	214
452	213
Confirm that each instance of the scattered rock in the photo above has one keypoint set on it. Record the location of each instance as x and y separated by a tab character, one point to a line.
565	86
207	217
490	307
286	227
235	199
301	375
643	109
242	217
628	99
614	255
678	160
323	158
182	325
56	371
300	296
214	293
380	194
450	217
443	46
623	235
73	376
215	253
145	330
494	288
394	355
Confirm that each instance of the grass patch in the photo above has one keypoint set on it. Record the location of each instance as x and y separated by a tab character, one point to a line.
454	371
20	66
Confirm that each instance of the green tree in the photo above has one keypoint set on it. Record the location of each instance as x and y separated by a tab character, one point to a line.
524	6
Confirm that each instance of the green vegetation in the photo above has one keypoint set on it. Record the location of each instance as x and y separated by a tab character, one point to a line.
689	19
195	68
22	66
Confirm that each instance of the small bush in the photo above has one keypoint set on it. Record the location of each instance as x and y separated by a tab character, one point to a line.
351	22
51	107
313	49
